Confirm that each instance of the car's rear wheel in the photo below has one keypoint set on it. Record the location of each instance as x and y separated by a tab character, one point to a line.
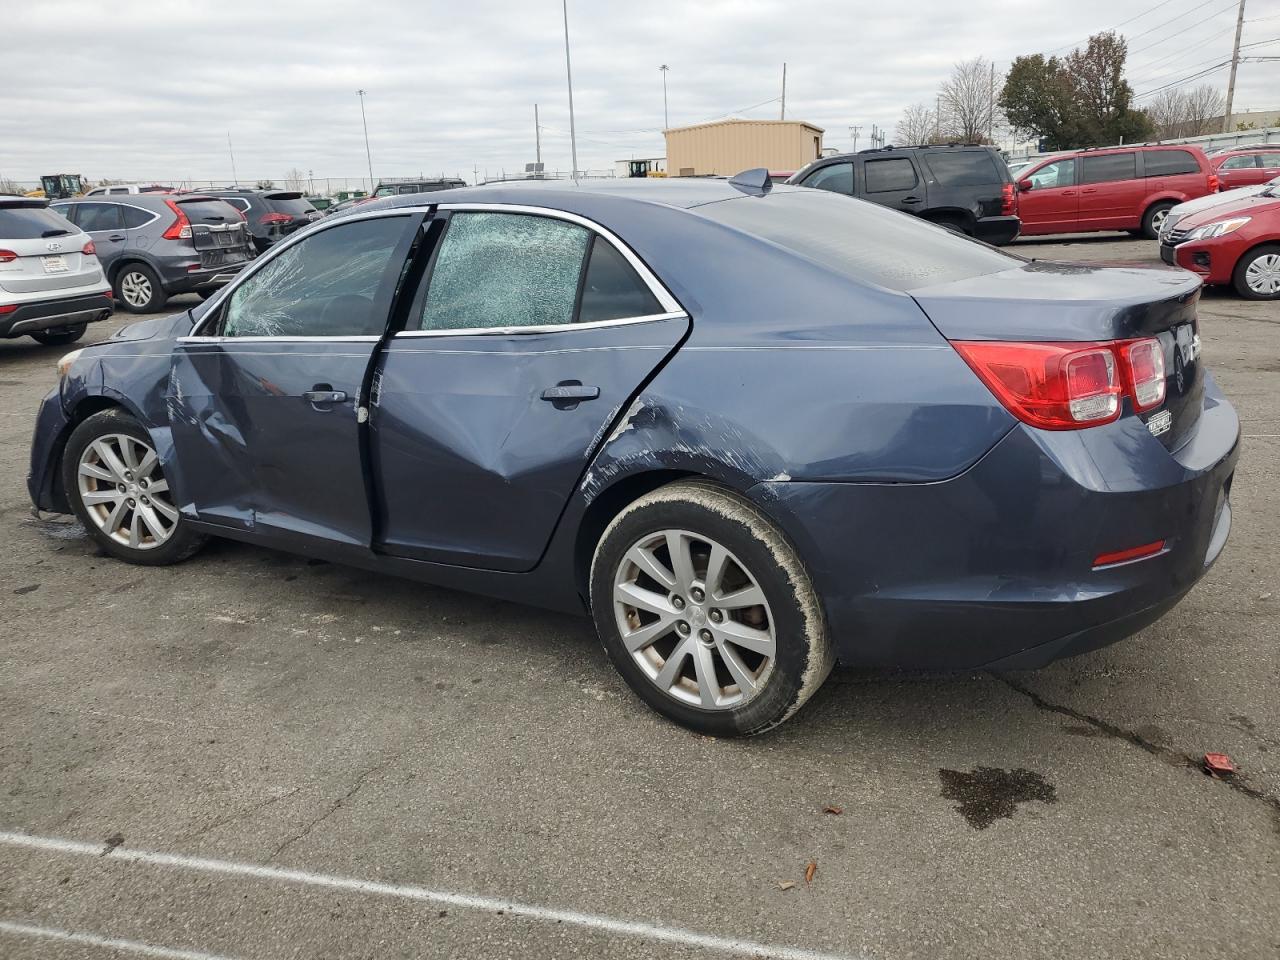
114	483
139	289
707	611
1154	218
1257	274
59	336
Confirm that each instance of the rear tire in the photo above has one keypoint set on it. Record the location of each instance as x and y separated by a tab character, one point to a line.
1257	274
1153	219
59	336
138	289
118	491
726	635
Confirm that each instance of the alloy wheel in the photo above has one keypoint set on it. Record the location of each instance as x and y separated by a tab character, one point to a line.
1263	274
1157	220
695	619
136	289
124	492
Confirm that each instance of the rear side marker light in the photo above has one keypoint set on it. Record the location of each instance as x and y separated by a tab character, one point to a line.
1126	556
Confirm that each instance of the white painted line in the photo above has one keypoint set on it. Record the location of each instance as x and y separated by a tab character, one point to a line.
111	943
491	905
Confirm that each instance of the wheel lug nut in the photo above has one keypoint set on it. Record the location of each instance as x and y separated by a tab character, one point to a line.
130	502
716	616
678	602
120	487
704	636
697	595
682	628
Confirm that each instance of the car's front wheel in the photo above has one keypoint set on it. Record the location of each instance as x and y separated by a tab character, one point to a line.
707	611
1257	274
139	289
114	483
59	336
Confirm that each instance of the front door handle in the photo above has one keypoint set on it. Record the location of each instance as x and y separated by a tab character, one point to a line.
912	200
117	237
567	394
324	394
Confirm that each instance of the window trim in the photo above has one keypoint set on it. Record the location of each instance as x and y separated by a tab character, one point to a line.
151	213
671	306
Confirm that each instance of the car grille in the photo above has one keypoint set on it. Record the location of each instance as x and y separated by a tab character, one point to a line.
1174	237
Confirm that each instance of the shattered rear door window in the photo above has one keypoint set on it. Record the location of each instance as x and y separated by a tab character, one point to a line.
324	286
505	270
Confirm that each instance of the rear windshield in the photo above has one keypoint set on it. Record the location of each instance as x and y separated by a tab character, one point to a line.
861	240
209	210
293	204
32	223
964	168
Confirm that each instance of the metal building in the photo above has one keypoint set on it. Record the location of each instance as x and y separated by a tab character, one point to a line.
731	146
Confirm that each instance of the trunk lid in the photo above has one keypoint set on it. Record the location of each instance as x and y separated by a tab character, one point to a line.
218	231
42	251
1044	301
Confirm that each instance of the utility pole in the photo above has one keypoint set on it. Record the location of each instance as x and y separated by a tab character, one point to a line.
1235	63
853	132
991	116
367	155
234	179
537	135
784	90
475	174
568	72
666	120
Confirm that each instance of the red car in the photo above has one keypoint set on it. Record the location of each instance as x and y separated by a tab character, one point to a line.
1234	243
1117	188
1245	166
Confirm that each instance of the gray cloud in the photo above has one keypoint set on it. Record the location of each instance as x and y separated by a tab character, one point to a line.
149	90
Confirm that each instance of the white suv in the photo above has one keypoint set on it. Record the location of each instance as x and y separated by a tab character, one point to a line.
51	284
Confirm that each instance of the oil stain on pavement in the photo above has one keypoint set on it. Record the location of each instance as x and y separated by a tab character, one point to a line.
988	794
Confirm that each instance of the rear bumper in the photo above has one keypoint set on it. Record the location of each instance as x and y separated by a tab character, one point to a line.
185	280
63	312
993	568
997	230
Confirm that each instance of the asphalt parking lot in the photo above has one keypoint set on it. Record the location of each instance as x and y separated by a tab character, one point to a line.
252	755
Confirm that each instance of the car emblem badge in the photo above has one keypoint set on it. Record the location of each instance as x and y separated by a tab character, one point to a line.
1160	423
53	245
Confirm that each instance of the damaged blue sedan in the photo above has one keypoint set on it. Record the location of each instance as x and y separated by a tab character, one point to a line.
751	431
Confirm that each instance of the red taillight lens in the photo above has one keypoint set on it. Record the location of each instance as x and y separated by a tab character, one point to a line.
1144	361
1214	183
7	256
9	308
1054	386
180	229
274	218
1008	198
89	249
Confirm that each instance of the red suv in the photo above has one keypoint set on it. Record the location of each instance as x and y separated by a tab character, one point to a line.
1235	243
1118	188
1246	166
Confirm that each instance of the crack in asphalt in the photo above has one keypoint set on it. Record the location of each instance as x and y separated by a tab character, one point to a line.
241	814
1167	754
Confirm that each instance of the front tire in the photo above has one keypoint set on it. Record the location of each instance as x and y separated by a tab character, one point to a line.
114	483
707	612
138	288
59	336
1257	275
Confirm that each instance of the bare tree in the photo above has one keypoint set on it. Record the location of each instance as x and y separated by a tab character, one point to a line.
11	187
1186	113
917	126
1205	107
295	179
968	101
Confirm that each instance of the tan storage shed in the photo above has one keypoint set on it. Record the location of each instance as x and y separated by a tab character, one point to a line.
726	147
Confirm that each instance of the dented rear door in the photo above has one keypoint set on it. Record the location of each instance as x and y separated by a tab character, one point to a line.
525	343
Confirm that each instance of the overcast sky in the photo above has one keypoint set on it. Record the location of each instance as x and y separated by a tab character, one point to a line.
150	90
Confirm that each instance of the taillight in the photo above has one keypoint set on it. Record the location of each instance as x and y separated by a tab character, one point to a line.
1145	367
89	249
8	308
7	256
1008	199
274	218
1214	183
180	229
1066	386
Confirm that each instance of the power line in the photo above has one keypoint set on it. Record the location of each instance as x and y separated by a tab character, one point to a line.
1116	27
1144	72
1221	10
1188	79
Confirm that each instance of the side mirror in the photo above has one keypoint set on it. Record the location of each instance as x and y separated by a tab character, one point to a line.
1025	185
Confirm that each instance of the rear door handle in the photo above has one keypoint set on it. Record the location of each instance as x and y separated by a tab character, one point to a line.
117	237
319	396
569	393
912	200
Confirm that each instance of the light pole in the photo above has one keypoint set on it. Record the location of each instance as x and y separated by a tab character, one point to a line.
368	156
853	132
666	121
568	72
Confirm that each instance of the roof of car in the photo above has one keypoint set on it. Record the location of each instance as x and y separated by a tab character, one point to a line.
13	200
679	192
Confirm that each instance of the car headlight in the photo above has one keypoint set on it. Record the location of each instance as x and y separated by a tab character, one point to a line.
1219	229
64	364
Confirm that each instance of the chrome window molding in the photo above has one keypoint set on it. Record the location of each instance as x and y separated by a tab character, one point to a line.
198	338
671	306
